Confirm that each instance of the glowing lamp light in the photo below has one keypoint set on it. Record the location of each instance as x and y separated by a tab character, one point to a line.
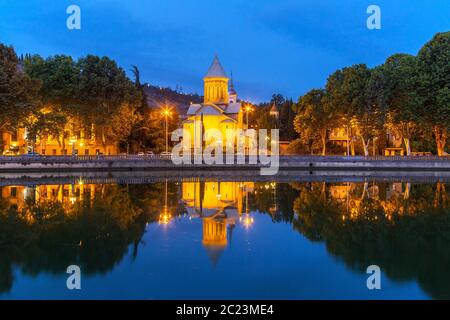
247	221
166	112
165	218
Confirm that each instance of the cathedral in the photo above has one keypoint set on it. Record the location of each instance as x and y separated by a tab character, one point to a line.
220	109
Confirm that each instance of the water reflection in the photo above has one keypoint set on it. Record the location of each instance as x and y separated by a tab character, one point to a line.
220	205
402	227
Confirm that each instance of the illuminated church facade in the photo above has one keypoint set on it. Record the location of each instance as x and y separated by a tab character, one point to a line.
220	109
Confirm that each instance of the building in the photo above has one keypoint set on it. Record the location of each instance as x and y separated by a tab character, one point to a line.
220	110
13	142
77	140
274	111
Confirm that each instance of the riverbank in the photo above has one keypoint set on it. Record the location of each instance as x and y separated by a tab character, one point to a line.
145	177
159	163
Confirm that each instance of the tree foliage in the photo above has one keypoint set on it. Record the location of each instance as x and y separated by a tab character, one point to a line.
314	120
434	86
18	92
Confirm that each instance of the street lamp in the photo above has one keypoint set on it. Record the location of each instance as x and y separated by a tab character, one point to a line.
248	108
166	113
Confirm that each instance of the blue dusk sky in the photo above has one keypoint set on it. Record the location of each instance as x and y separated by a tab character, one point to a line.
285	46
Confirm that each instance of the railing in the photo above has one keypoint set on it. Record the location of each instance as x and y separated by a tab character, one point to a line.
76	158
302	158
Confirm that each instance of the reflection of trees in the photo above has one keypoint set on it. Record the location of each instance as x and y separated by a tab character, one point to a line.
408	243
46	236
275	199
150	198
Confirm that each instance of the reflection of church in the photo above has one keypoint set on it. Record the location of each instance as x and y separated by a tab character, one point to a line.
220	205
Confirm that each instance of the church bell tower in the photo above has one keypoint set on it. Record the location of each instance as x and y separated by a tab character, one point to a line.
216	84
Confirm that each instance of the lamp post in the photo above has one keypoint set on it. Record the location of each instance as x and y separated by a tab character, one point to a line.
166	113
248	108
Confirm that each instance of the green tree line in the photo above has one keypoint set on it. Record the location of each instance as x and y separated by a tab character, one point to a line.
408	95
45	95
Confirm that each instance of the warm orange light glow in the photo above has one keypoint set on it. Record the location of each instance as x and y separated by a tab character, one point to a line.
165	217
166	112
248	108
247	221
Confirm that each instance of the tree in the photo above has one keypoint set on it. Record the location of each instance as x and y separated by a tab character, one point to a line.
314	119
286	121
338	100
123	123
45	123
103	89
354	93
59	94
18	93
261	118
399	74
277	99
59	77
139	87
434	87
369	117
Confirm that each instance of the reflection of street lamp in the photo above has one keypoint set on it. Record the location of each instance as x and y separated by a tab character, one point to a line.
166	113
247	221
165	216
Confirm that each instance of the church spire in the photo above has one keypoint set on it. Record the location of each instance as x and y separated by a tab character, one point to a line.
216	70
